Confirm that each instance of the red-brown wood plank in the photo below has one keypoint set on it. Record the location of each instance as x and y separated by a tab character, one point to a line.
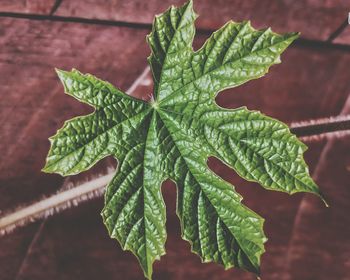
329	258
314	19
309	83
320	248
27	6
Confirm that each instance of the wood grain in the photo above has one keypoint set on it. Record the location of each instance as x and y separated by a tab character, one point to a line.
319	247
27	6
314	19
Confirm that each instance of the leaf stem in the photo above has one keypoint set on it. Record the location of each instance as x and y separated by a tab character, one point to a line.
320	128
55	203
307	130
310	130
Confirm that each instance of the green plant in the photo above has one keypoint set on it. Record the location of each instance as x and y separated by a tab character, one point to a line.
173	136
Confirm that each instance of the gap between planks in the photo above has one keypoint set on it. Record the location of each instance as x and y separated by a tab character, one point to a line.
301	42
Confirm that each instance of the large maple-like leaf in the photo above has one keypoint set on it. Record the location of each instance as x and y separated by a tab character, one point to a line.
173	136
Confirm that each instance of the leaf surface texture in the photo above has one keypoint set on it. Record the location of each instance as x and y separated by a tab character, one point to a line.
173	136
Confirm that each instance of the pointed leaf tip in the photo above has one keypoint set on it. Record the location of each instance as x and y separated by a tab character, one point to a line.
60	73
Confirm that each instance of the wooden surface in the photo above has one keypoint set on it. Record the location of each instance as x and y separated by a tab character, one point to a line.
314	19
27	6
306	240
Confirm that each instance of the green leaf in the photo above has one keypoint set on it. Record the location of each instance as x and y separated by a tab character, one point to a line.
173	136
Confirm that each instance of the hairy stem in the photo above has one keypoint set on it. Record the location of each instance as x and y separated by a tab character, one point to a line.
311	130
55	203
322	128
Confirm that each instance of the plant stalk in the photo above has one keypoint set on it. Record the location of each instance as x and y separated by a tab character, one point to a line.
311	130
